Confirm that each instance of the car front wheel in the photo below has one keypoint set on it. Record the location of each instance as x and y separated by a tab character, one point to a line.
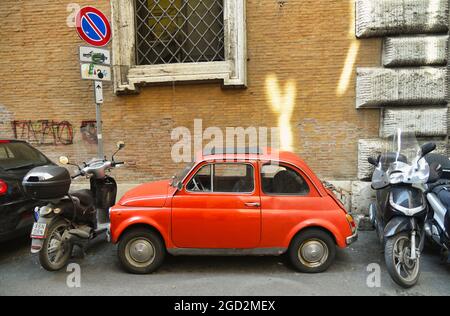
141	251
312	251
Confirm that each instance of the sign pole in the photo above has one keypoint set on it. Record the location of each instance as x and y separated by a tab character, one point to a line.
98	88
94	28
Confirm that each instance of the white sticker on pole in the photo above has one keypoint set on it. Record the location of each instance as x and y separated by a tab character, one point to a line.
98	87
95	55
95	72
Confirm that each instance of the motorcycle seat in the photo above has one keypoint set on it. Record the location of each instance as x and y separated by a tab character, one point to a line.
85	197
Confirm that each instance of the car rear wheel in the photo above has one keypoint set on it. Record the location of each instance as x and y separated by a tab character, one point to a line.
312	251
141	251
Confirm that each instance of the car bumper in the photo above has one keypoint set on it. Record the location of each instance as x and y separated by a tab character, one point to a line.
16	219
352	239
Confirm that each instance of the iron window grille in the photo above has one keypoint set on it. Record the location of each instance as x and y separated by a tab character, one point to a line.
179	31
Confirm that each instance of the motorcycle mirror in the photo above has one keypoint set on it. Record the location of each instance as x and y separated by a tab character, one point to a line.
120	145
427	148
373	161
64	160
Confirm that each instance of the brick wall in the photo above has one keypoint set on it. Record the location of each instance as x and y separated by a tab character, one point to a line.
305	41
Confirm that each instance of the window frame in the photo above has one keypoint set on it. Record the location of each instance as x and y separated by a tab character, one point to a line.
128	77
212	164
287	166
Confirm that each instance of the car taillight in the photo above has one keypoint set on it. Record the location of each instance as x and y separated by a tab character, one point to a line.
351	222
3	187
4	141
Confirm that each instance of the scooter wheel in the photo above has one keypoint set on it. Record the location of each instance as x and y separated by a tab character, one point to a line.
404	271
141	251
55	253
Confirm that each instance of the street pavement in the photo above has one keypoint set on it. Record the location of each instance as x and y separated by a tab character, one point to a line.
21	274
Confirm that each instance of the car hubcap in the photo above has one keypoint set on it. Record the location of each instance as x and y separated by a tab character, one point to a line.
313	253
141	252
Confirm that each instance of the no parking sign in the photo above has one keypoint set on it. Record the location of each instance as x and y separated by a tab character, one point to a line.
93	27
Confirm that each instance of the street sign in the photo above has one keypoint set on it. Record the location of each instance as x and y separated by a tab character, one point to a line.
98	87
95	55
95	72
93	27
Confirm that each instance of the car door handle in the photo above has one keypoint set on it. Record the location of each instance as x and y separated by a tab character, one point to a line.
253	204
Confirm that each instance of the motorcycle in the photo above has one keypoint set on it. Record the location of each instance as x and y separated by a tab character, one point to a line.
400	211
438	195
70	219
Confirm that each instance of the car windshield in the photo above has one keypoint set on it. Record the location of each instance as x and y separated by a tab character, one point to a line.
15	156
400	161
182	174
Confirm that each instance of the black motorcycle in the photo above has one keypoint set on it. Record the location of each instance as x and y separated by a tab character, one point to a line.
70	219
400	212
437	228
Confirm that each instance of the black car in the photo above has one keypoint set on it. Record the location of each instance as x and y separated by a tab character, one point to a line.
17	158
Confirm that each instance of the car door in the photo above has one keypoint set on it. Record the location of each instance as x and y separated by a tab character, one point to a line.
218	208
288	198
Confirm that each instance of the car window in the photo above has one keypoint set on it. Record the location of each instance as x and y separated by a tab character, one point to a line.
233	178
5	153
18	155
201	182
223	178
283	180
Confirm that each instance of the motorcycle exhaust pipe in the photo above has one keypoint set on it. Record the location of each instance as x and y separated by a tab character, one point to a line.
373	215
432	231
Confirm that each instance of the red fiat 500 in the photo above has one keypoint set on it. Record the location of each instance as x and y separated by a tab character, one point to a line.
258	203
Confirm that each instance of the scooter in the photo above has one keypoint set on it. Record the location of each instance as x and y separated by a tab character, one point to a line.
438	196
400	212
70	219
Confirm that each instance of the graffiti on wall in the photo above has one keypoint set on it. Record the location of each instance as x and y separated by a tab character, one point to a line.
44	132
89	132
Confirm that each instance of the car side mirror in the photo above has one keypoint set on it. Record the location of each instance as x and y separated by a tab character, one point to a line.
180	186
63	160
427	148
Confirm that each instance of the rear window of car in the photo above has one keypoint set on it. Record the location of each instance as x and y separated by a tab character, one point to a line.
20	155
283	180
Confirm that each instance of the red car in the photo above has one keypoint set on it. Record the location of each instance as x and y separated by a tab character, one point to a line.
260	203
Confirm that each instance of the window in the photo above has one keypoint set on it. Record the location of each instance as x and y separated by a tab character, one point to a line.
179	31
223	178
19	155
164	41
201	182
281	180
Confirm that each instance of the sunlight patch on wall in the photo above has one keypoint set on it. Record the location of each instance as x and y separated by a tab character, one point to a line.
352	55
282	100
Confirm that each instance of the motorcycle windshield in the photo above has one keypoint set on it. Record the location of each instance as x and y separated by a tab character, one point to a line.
400	162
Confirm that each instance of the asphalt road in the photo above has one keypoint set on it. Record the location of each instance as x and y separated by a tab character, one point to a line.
21	274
